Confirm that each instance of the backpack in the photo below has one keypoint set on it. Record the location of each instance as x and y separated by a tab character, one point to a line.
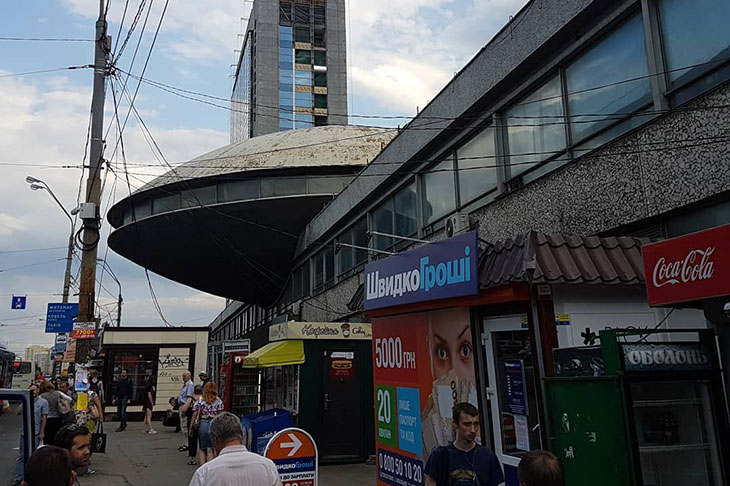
65	406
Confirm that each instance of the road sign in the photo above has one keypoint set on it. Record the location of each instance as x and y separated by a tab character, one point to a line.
18	302
83	330
60	317
295	454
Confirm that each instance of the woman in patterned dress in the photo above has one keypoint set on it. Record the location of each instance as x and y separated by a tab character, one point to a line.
204	411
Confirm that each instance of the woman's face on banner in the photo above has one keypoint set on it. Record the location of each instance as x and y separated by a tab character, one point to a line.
451	348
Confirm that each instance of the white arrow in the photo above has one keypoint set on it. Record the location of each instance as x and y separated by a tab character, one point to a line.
295	444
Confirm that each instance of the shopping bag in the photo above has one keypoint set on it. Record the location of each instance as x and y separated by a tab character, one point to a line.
98	440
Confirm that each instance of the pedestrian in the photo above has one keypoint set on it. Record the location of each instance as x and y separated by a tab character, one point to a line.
464	461
185	405
204	380
59	405
64	387
95	380
193	427
204	411
540	468
148	403
234	466
121	397
75	439
49	466
40	412
172	415
90	417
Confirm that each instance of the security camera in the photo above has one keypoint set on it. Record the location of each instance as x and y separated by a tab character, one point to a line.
726	308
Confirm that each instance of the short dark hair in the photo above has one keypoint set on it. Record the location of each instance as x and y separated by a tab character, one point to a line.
226	427
540	468
48	466
66	435
463	407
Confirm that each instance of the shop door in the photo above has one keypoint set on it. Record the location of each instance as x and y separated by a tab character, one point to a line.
342	430
512	389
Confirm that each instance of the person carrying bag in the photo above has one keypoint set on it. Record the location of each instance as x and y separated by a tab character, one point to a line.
98	440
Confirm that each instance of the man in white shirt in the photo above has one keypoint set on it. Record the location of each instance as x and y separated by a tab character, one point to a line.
234	465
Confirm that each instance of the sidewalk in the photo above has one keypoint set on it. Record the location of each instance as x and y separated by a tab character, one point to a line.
137	459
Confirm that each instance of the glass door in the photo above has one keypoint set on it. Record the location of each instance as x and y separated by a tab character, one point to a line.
512	390
676	433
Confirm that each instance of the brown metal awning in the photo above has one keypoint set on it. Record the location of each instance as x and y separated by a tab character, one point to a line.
543	258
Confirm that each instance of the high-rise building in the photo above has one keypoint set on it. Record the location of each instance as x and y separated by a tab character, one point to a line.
40	356
292	71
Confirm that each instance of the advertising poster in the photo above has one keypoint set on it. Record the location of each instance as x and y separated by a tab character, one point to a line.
423	366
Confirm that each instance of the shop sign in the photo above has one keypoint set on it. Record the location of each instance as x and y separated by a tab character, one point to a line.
70	355
687	268
342	367
320	330
438	270
83	330
667	357
416	388
60	317
294	453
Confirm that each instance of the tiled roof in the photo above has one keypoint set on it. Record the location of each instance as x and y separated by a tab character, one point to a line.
542	258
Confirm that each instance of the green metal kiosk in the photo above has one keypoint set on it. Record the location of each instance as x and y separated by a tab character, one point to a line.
634	411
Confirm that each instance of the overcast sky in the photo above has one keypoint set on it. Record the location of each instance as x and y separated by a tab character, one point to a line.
401	54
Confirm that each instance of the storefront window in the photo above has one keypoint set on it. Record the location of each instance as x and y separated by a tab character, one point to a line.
439	196
535	127
694	33
477	166
140	365
598	82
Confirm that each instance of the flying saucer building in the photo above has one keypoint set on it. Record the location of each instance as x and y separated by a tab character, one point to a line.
228	222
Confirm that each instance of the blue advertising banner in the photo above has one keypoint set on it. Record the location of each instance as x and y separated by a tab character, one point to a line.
514	380
439	270
60	317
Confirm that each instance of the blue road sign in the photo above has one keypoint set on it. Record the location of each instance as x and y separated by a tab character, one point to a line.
18	302
60	317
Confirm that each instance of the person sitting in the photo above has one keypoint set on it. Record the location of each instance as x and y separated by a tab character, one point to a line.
75	439
172	416
49	466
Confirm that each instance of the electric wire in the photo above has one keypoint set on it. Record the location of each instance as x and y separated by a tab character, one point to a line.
44	39
33	249
43	71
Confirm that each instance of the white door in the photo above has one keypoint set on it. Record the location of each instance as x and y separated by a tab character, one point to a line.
511	392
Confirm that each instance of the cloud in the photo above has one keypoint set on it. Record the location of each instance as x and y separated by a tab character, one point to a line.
403	53
203	31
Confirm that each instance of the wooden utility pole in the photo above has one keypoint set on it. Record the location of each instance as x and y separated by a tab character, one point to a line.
90	210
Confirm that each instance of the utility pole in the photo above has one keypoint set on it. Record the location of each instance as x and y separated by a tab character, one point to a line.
90	212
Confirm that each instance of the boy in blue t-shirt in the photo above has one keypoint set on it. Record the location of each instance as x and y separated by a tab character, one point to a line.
464	462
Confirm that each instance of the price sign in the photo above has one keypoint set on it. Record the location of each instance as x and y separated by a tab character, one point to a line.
83	330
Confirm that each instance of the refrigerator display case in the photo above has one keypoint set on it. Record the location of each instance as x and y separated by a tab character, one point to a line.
241	385
655	414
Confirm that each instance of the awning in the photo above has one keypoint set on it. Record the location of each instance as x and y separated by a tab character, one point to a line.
280	353
544	258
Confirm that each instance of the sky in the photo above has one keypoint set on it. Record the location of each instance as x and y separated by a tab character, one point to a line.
400	55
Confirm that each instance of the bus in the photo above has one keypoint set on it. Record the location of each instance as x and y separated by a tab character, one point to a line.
22	375
6	368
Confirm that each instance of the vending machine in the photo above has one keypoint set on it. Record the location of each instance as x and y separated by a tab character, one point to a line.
241	385
640	412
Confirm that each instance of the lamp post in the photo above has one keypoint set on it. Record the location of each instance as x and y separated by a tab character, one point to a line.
35	185
109	270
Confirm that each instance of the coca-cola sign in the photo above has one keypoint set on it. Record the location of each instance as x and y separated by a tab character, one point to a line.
691	267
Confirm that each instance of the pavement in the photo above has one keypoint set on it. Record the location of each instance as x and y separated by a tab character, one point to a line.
133	458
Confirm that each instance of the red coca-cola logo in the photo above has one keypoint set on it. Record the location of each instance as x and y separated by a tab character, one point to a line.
697	265
688	268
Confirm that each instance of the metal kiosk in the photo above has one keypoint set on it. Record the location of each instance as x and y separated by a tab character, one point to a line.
655	415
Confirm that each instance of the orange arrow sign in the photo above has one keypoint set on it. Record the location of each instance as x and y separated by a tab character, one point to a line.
289	444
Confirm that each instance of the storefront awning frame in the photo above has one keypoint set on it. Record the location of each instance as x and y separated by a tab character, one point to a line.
279	353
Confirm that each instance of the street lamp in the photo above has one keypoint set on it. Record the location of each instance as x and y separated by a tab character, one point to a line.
109	270
35	185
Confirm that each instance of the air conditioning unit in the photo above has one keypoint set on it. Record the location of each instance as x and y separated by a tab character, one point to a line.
456	224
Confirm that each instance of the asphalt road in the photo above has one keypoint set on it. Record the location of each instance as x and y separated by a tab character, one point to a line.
10	425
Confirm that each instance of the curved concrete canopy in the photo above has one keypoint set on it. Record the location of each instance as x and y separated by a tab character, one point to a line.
239	249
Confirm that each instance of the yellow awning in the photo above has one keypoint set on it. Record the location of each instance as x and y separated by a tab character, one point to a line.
280	353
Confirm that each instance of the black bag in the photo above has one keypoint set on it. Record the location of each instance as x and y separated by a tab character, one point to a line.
98	440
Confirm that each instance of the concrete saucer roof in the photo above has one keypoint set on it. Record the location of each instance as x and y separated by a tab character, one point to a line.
228	222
